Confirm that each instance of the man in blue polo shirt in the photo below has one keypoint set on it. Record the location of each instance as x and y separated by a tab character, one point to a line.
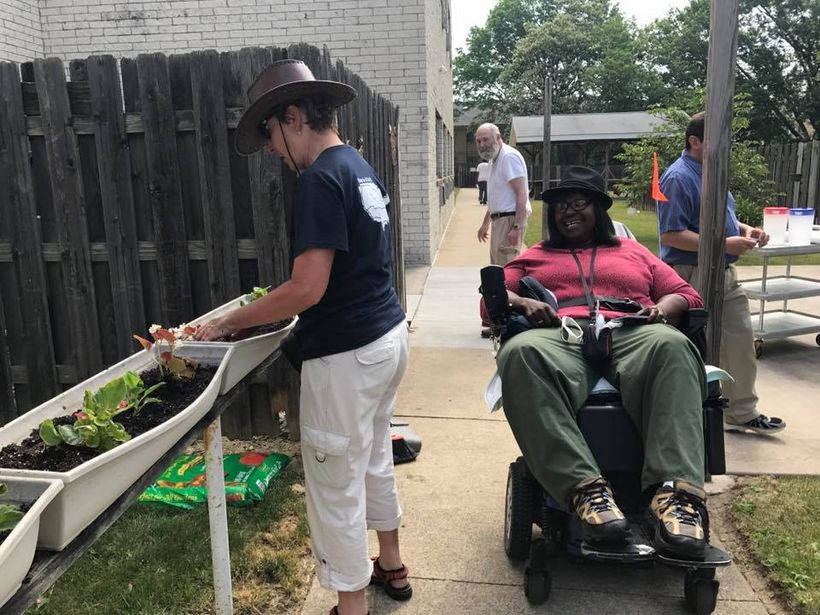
679	228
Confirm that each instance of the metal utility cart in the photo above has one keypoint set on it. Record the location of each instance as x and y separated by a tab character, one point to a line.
777	324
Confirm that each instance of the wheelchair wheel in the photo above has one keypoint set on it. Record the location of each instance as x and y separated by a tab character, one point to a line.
518	517
537	586
700	591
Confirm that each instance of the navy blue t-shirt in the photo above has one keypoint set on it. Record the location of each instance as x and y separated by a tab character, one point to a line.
341	204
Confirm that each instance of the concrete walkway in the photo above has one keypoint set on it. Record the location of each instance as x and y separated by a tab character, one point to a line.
453	495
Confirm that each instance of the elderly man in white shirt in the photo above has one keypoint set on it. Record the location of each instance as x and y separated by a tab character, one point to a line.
507	195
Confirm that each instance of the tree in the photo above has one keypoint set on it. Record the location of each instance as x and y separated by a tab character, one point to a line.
748	176
778	64
591	51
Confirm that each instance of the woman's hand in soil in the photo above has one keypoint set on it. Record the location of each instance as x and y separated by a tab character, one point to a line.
215	330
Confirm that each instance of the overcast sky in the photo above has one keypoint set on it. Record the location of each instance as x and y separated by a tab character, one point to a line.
468	13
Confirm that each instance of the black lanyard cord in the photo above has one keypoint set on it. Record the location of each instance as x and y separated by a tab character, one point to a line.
588	283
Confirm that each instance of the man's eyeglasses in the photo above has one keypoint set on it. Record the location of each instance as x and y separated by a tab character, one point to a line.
575	205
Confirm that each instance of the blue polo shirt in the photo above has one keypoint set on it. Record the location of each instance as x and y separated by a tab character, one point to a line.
681	184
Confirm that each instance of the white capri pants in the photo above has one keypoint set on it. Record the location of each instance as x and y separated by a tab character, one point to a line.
346	403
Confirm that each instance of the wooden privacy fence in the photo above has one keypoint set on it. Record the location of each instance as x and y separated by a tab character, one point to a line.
123	203
795	170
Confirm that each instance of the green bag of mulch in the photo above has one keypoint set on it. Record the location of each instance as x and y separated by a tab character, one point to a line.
247	476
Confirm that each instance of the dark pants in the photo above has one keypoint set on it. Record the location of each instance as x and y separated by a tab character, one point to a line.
482	193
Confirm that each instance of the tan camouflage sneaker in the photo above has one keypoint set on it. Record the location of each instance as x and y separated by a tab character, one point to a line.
601	519
679	510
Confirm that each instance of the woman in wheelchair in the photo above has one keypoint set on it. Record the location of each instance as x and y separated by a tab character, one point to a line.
547	372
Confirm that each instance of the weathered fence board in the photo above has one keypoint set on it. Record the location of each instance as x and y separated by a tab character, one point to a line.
164	188
63	155
28	280
794	169
117	194
6	383
127	205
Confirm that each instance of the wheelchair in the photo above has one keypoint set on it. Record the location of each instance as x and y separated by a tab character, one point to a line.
618	449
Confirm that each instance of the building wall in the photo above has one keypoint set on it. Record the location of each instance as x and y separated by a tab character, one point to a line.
383	41
440	114
21	33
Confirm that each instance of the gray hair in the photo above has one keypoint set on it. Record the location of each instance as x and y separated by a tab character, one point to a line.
494	131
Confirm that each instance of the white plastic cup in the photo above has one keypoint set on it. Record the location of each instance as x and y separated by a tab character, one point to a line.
800	221
775	220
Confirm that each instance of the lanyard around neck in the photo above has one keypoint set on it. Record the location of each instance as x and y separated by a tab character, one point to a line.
587	282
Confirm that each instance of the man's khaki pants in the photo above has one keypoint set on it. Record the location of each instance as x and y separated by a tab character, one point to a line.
737	352
501	252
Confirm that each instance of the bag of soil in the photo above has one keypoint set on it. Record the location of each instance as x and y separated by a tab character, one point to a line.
247	477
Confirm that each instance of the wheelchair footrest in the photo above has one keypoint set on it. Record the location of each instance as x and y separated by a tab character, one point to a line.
713	557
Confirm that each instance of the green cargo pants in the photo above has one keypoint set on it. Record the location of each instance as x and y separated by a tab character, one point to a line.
660	375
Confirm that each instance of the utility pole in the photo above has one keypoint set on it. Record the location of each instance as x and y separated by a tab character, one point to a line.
720	90
547	148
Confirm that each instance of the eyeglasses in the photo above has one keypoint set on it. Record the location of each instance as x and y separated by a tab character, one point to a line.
574	205
264	128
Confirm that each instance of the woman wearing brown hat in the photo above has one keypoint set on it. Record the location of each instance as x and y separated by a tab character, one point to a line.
547	372
351	331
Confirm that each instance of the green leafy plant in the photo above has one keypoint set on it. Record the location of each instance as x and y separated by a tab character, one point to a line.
10	515
94	425
168	361
257	293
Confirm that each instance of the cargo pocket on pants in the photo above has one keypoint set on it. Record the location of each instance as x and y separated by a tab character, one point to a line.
325	456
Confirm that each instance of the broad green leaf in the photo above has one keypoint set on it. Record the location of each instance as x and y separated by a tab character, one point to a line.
49	434
132	380
69	435
117	431
110	395
9	517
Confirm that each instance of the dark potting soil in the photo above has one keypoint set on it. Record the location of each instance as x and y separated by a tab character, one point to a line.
25	507
261	330
176	395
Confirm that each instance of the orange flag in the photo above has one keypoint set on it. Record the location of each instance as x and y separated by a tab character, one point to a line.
657	195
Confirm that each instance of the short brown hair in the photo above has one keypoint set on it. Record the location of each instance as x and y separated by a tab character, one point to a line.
320	113
696	127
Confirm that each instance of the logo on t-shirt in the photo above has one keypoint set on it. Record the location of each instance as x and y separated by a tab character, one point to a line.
374	203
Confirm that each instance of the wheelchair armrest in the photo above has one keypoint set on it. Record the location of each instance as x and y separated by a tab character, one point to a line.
693	325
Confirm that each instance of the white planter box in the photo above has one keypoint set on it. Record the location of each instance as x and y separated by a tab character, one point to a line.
92	487
17	550
248	353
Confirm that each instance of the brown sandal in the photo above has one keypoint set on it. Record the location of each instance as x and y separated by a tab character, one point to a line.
384	577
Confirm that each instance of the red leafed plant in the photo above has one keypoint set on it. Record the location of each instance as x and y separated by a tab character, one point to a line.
164	348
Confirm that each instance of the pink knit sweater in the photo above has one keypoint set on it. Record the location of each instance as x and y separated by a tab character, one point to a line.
626	271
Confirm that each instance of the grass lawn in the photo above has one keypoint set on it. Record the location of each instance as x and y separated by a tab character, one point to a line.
156	560
644	225
778	518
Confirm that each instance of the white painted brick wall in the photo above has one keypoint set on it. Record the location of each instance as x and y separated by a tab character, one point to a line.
396	46
21	33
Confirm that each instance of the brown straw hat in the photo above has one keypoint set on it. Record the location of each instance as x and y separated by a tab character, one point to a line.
283	82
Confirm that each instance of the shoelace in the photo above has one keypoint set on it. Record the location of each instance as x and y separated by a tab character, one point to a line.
687	508
761	422
597	495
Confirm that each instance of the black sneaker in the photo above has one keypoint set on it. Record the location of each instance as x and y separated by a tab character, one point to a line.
679	511
762	424
601	519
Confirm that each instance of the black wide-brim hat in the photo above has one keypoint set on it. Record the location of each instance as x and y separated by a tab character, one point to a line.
579	179
283	82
